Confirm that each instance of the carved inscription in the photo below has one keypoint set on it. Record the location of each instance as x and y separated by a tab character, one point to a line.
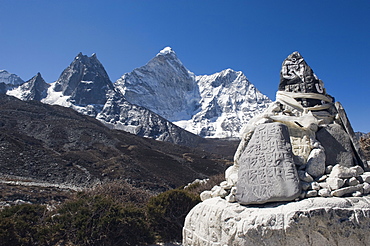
267	171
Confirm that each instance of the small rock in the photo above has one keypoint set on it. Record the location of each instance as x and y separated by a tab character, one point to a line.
315	186
225	185
233	190
230	198
357	194
205	195
218	191
335	183
305	185
311	193
303	194
365	177
322	178
346	172
324	185
347	190
324	192
366	188
328	169
352	181
304	176
316	162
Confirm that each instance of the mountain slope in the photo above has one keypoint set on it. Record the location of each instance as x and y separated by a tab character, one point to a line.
54	144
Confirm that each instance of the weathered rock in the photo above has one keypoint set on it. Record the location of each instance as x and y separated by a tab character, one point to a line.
337	144
267	172
352	181
324	192
311	193
347	190
207	194
347	126
335	183
312	221
366	188
345	172
365	177
304	176
316	163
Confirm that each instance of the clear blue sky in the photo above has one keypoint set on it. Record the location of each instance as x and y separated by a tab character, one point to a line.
207	35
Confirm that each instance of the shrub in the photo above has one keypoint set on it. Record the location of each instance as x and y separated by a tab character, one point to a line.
167	213
23	225
98	220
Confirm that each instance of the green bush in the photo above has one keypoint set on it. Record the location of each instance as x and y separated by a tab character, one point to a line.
24	225
167	213
98	220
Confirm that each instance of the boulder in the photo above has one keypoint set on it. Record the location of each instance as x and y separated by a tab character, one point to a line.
312	221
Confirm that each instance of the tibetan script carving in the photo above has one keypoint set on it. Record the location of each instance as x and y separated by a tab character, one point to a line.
267	171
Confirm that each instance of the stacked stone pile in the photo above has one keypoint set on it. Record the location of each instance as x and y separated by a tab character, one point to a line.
301	148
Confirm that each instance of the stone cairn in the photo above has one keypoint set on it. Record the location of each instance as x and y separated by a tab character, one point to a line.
302	146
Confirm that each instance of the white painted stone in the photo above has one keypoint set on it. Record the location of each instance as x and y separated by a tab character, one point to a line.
346	172
205	195
230	198
316	163
329	221
335	183
225	185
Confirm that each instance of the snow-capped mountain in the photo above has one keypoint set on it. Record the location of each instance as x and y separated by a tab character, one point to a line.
158	100
228	102
215	105
9	78
163	85
34	89
85	86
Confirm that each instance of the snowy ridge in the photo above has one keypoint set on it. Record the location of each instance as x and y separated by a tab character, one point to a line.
215	105
228	102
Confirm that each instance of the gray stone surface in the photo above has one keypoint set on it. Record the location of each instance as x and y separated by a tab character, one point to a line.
267	172
337	144
347	126
315	221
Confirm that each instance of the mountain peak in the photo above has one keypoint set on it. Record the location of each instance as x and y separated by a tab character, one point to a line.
166	51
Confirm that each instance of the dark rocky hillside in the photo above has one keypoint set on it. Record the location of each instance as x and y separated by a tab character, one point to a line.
58	146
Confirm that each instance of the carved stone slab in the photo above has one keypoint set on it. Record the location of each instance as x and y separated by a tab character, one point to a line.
267	172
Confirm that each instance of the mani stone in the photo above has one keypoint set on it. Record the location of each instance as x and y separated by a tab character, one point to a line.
337	145
267	172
